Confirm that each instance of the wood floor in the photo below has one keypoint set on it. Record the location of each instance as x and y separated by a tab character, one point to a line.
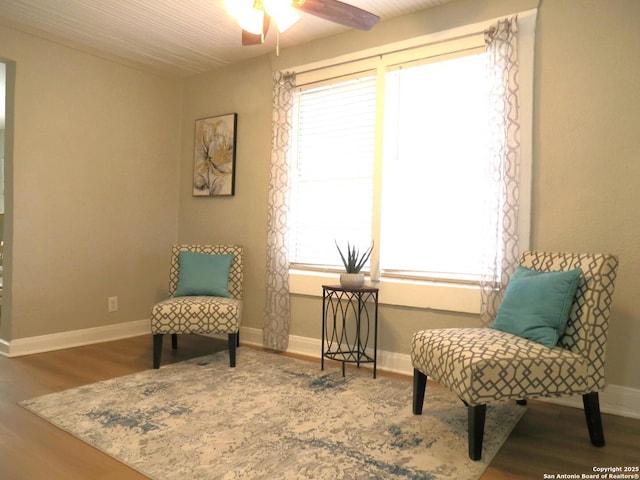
550	439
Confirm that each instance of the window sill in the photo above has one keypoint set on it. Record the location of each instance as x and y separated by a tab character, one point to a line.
393	291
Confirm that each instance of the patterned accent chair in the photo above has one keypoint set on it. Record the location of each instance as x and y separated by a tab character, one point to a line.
200	314
483	365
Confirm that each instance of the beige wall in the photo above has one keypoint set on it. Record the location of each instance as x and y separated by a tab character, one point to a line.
587	151
94	168
246	90
586	170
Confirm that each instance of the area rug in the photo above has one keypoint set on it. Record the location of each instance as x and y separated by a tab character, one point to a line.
274	417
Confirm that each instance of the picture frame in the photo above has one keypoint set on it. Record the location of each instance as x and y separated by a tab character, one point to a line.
214	157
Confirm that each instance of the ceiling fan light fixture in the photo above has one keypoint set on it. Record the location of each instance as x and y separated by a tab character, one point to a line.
248	13
252	21
254	16
282	12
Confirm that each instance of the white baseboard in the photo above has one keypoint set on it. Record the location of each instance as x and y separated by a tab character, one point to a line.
74	338
615	399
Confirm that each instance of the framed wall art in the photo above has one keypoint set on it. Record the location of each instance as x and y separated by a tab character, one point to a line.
214	159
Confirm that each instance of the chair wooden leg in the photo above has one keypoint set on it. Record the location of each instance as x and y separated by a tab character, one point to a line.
594	420
419	386
157	349
232	349
238	338
476	415
174	341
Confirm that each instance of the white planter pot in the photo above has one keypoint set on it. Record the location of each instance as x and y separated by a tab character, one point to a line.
352	280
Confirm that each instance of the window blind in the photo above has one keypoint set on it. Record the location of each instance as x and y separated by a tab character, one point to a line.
332	169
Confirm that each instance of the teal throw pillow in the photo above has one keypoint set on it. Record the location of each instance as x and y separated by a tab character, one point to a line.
536	305
203	274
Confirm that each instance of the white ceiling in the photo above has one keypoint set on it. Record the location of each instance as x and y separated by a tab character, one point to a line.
178	38
171	37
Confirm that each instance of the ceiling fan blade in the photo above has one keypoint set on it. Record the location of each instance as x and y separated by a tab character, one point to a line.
339	12
249	38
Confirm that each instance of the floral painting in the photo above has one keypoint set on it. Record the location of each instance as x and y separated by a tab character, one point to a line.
214	159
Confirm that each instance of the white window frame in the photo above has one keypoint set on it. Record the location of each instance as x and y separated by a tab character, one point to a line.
438	295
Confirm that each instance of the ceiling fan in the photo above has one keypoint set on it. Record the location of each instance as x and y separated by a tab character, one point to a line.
254	16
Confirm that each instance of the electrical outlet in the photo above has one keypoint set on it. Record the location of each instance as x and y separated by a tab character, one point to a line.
113	304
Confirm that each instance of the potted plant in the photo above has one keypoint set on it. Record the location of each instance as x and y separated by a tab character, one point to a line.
353	263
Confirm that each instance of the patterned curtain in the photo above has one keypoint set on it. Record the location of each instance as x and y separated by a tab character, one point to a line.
277	315
502	233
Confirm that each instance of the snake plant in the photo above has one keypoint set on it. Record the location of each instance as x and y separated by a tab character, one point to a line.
354	262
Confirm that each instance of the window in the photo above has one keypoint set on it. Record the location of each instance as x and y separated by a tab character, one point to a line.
411	179
430	193
333	162
436	122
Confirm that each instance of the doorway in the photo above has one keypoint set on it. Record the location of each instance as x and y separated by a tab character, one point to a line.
3	96
7	91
